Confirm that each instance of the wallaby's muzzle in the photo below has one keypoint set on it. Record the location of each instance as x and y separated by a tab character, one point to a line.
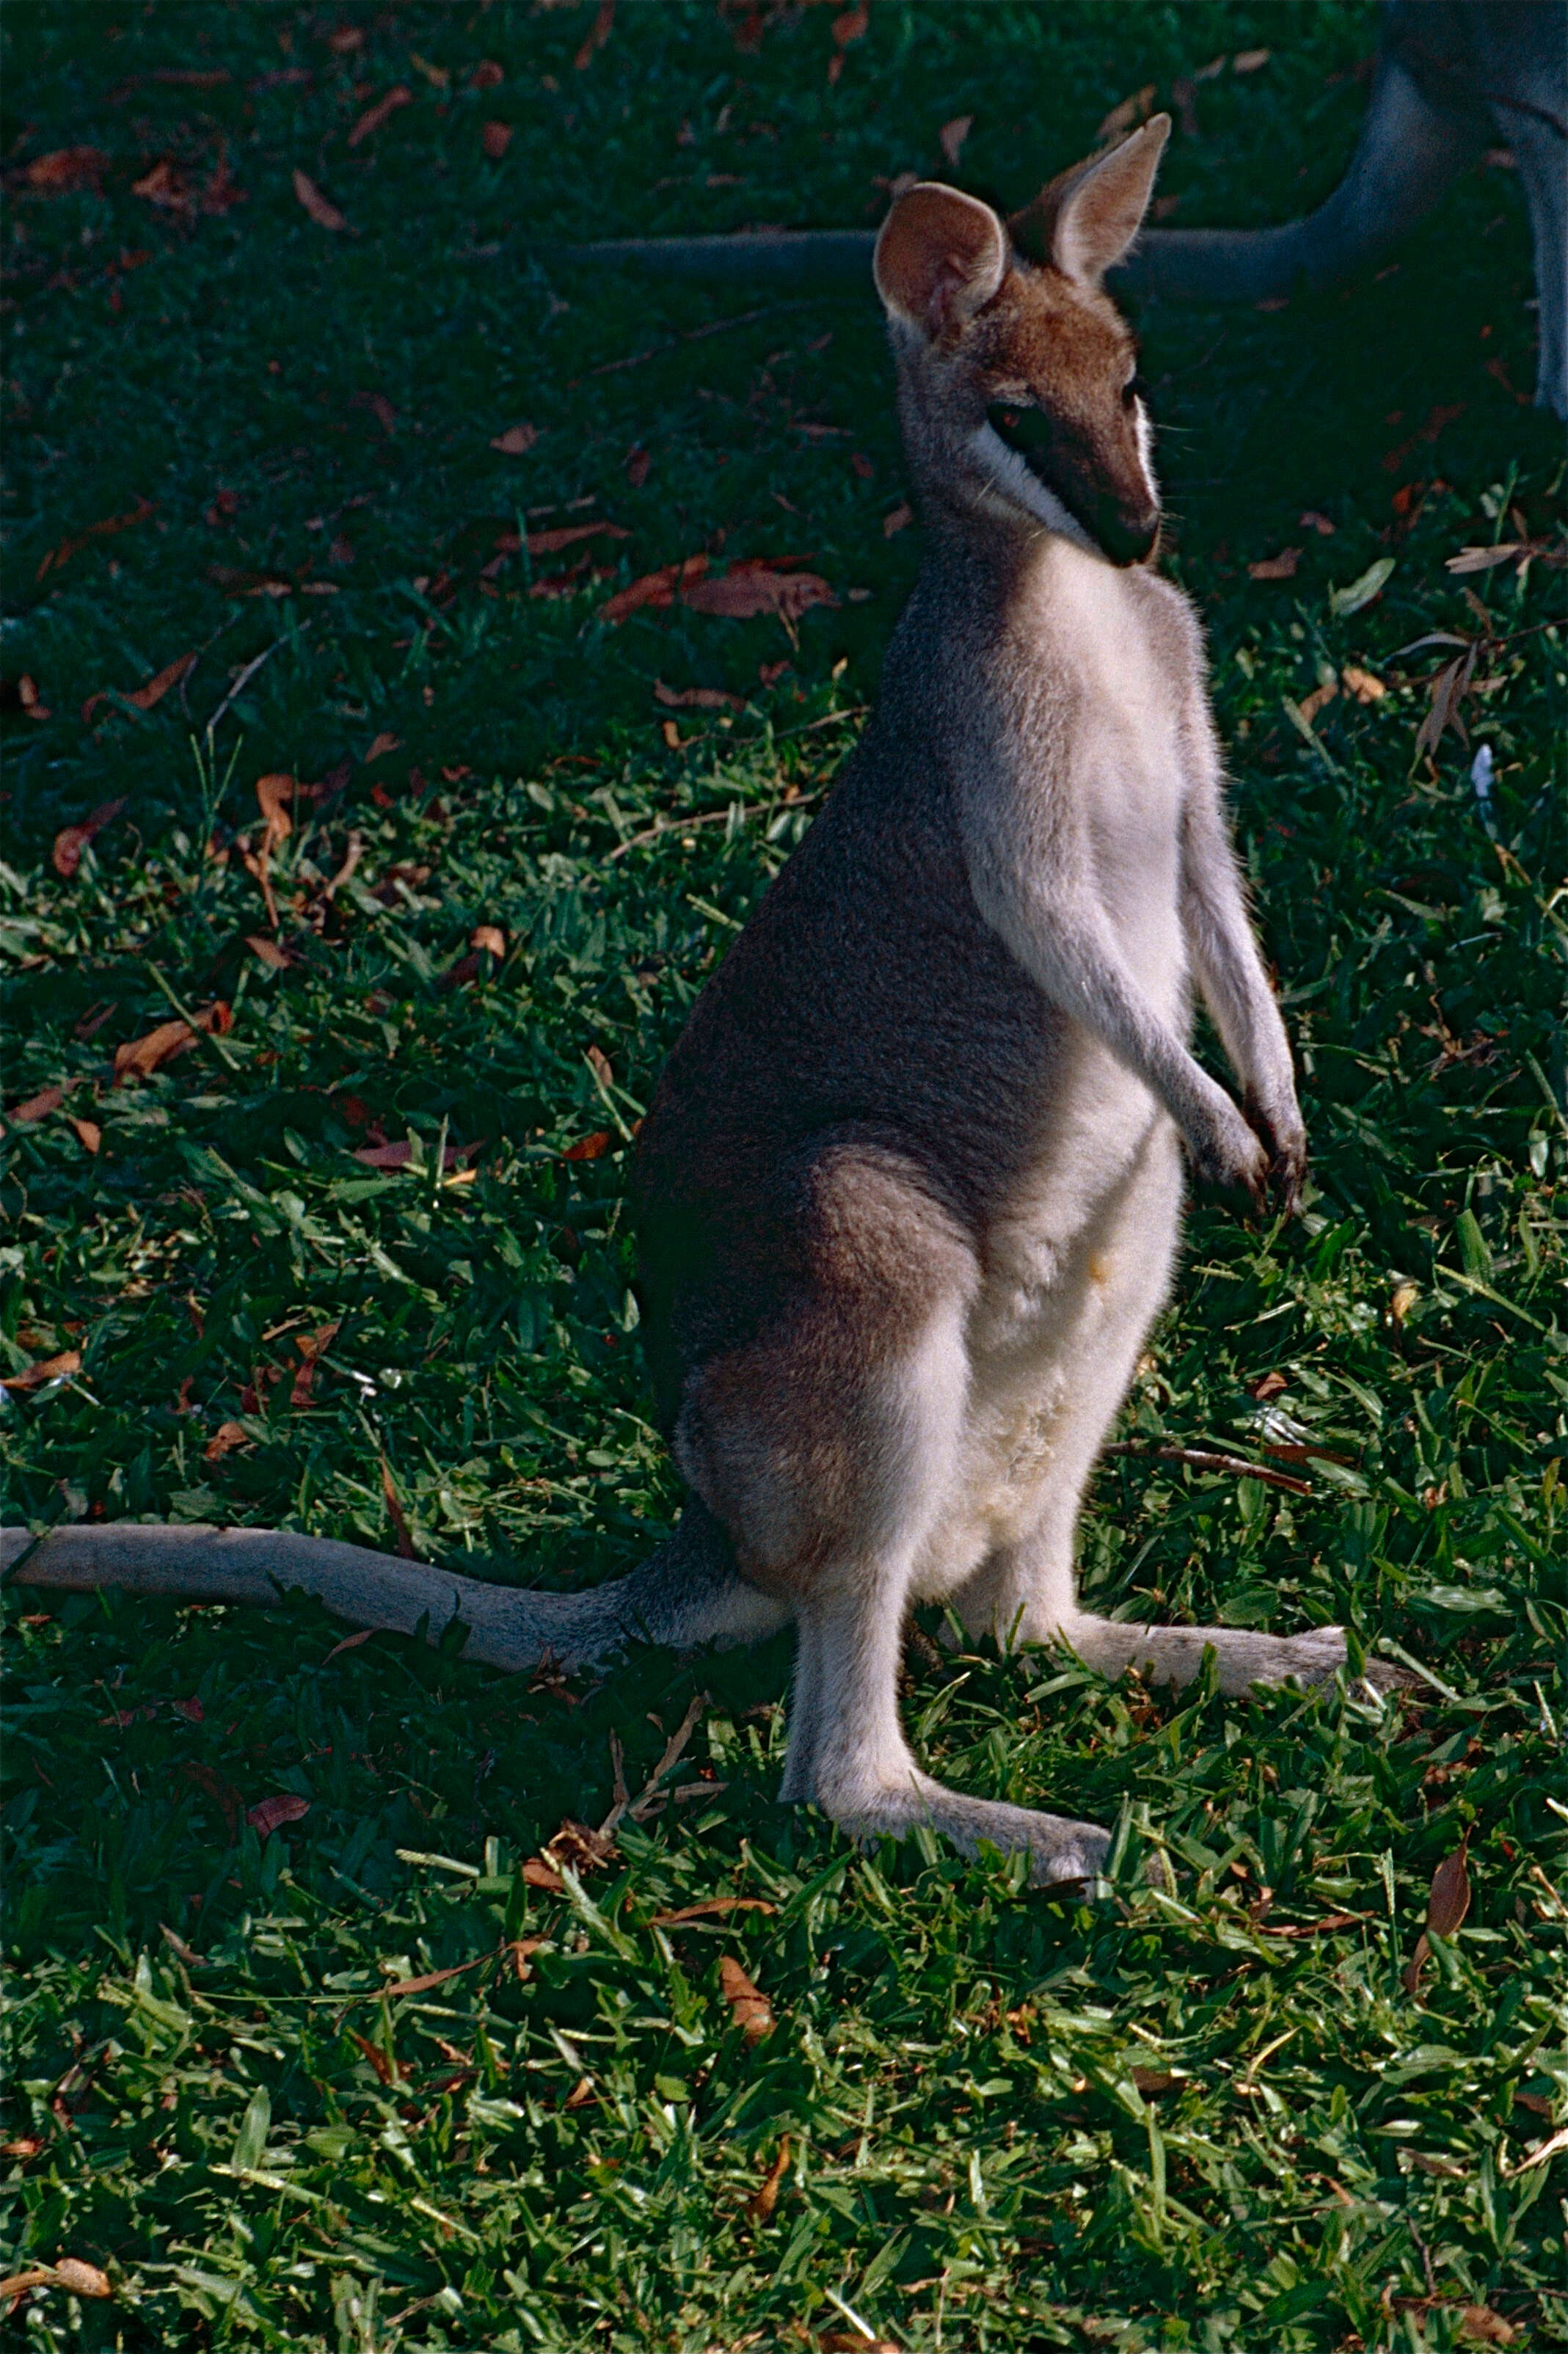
1119	516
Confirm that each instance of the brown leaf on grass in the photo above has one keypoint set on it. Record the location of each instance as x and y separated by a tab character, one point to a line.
491	938
26	2146
139	1057
228	1435
765	2197
88	1132
1484	2327
191	1710
381	745
540	1874
755	586
897	519
1448	689
399	1517
46	1369
752	2010
1364	684
582	2092
351	1643
398	1155
275	959
495	138
566	535
1313	521
267	1818
655	589
600	1063
224	1793
1130	111
82	2279
638	462
57	556
590	1147
386	2067
427	1978
144	698
346	40
274	791
598	34
438	77
312	1348
709	1906
1319	698
951	137
516	441
37	1106
1483	560
1447	1903
1276	568
66	170
696	698
31	702
486	75
324	214
371	120
579	1847
1247	61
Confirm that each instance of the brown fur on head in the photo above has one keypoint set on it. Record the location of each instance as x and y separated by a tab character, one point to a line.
1017	373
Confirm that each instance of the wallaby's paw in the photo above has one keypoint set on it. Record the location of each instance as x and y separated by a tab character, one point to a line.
1227	1151
1280	1127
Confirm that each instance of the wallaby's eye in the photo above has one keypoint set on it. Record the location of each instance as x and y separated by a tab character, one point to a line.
1023	430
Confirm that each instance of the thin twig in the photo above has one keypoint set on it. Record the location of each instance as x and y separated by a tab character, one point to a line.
640	1807
691	336
1203	1459
246	674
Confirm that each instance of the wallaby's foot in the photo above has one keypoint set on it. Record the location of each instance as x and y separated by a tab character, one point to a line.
1059	1849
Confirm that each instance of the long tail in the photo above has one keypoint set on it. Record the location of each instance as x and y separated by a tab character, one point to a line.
688	1591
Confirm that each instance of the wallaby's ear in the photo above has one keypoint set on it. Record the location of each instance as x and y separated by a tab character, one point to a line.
940	257
1085	219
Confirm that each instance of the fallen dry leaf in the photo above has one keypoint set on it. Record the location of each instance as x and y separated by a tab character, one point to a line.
582	2090
566	535
31	701
386	2067
1364	684
71	547
381	745
370	122
765	2197
516	441
89	1131
1403	1299
228	1435
598	33
696	698
754	586
65	170
324	214
1485	2328
1130	111
139	1057
397	1156
897	519
590	1147
1448	689
1483	560
312	1347
1276	567
1319	698
265	1819
1447	1903
486	75
579	1847
490	938
709	1906
351	1643
438	77
753	2012
143	698
853	26
345	40
951	137
37	1106
65	856
26	2146
656	588
1313	521
399	1518
540	1874
81	2279
1246	61
46	1369
495	138
274	958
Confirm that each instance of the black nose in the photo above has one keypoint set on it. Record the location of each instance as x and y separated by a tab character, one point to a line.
1127	537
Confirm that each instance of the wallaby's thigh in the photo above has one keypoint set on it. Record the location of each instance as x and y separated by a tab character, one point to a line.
822	1440
1038	1421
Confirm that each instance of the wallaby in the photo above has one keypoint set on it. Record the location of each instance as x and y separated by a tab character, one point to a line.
909	1191
1450	75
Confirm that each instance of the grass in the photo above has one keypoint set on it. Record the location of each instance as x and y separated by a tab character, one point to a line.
1228	2116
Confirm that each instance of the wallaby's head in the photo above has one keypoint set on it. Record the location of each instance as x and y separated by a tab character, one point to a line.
1017	373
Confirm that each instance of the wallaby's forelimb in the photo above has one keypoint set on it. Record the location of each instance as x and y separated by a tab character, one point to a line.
687	1592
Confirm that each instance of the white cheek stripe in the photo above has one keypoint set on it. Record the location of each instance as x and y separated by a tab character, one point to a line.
1146	450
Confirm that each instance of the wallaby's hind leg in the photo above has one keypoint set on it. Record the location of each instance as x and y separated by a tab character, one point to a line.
826	1445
